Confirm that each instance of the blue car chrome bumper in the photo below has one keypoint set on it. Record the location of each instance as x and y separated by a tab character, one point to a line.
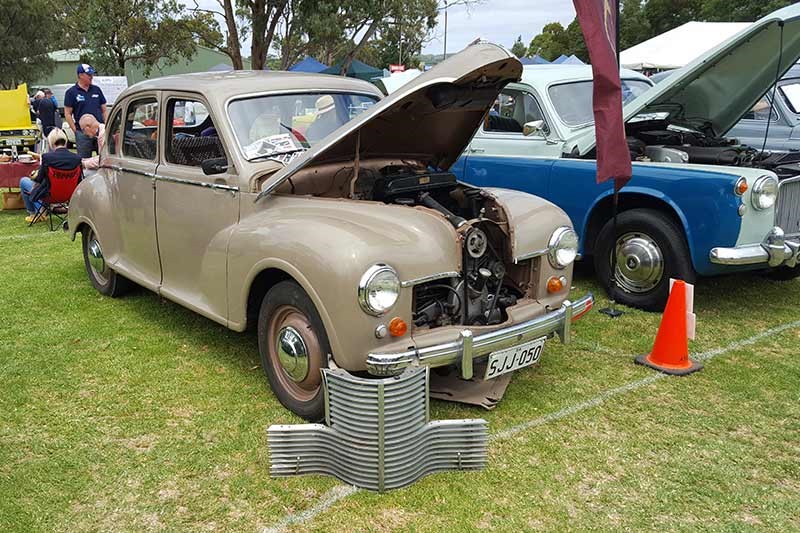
776	250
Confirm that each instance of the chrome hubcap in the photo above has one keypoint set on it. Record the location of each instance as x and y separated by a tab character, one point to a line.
292	353
96	259
640	263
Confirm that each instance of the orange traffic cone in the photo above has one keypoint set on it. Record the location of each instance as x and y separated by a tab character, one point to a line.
670	352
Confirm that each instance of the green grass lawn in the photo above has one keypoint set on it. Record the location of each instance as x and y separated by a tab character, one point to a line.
135	414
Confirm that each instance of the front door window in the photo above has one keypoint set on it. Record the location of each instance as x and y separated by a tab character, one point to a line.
512	110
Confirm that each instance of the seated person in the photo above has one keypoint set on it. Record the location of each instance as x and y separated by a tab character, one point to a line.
92	128
325	121
37	188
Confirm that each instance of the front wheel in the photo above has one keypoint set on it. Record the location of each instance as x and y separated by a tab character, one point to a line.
294	348
650	249
102	276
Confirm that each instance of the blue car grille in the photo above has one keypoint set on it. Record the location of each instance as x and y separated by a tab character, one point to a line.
787	210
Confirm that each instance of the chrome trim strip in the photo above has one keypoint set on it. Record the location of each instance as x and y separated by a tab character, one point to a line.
466	354
205	184
530	255
430	277
554	322
169	179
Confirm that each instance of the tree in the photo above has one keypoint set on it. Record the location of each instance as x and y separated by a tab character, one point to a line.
551	43
210	35
518	48
741	10
576	43
633	25
147	32
28	30
664	15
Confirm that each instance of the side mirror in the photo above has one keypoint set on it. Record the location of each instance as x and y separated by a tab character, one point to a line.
217	165
536	127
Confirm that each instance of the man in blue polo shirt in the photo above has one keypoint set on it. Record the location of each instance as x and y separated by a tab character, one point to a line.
80	99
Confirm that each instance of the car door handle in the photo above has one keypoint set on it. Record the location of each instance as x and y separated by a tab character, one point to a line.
476	150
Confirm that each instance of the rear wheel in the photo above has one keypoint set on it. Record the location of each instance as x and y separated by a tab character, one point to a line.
650	249
294	348
102	276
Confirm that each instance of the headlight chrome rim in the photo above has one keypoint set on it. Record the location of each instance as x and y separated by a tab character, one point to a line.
765	193
554	246
367	279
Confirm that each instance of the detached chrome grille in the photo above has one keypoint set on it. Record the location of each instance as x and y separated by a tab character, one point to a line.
787	209
378	435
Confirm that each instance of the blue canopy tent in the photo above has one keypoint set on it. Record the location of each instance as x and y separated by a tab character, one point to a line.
308	64
560	59
535	60
357	69
572	60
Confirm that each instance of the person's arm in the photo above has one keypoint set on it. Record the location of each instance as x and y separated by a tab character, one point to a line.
91	163
42	173
104	109
68	116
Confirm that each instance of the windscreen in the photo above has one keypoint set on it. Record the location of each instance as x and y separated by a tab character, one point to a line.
573	101
281	126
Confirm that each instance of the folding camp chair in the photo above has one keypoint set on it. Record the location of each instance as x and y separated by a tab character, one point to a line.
56	203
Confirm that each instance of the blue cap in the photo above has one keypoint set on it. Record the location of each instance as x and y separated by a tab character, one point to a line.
85	68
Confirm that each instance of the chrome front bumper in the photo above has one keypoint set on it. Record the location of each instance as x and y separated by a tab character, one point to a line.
470	347
774	251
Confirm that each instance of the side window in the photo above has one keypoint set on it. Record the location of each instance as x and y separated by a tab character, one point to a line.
760	111
791	94
192	138
511	111
140	137
112	133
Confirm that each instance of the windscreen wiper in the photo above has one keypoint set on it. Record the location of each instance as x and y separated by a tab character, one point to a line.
274	154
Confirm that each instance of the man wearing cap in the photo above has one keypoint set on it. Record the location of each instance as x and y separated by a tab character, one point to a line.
81	99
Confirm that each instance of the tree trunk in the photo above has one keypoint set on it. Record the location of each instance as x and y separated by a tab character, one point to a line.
348	59
234	49
258	16
265	17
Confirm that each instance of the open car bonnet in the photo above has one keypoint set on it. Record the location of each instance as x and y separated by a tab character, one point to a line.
431	119
720	86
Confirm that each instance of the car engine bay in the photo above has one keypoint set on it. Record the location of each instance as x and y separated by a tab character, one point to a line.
491	282
663	142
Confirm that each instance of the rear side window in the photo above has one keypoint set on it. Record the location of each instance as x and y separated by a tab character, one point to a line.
112	134
140	137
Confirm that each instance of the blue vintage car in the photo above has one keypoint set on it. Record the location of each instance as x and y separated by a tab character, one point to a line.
698	203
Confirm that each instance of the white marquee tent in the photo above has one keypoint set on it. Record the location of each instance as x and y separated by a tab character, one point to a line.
679	46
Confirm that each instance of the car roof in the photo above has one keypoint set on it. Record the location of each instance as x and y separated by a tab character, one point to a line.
547	74
223	85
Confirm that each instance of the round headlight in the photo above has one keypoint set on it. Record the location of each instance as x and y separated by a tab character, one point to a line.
378	289
765	192
563	247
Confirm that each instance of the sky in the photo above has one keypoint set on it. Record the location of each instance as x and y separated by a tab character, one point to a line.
497	21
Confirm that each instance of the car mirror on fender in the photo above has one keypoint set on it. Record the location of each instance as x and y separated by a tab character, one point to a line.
216	165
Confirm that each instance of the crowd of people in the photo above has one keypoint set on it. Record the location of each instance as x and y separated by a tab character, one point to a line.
85	112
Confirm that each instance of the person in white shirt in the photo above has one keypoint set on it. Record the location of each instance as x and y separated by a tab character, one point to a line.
92	128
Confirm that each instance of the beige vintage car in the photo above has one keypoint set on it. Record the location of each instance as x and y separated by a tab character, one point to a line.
341	237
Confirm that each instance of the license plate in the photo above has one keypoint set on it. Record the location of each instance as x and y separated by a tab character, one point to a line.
12	142
510	359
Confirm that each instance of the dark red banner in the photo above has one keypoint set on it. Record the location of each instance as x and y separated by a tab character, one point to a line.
598	20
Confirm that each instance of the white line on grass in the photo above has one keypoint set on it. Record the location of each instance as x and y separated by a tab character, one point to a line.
342	491
332	496
628	387
4	238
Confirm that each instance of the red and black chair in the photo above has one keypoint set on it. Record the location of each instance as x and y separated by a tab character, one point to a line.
56	202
